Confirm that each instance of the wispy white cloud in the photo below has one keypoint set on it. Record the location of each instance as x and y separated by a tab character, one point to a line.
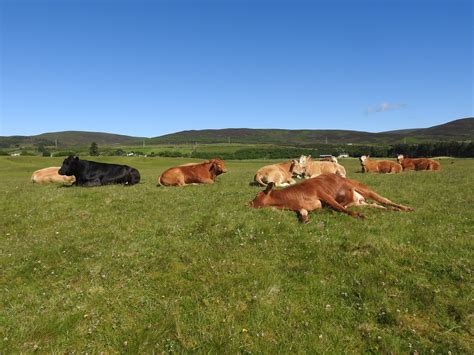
383	107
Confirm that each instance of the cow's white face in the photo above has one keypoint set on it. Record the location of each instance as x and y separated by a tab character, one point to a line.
400	157
363	158
298	168
304	159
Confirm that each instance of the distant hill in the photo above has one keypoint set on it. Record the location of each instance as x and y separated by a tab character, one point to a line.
70	139
458	130
462	129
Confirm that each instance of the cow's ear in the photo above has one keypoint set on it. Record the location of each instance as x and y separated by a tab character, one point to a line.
269	188
309	156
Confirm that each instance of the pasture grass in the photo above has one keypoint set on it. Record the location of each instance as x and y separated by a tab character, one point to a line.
158	269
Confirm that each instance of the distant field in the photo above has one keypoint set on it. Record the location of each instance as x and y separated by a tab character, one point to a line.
146	268
189	148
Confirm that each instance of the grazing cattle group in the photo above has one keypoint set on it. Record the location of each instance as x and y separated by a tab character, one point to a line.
324	184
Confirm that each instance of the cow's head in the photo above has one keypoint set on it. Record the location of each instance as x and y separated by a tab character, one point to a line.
363	159
69	166
217	167
400	158
261	200
297	168
304	159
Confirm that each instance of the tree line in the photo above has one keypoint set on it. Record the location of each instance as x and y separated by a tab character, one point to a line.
452	149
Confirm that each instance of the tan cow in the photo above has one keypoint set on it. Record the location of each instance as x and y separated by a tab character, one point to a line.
193	173
418	164
315	168
51	175
328	189
331	158
281	174
379	166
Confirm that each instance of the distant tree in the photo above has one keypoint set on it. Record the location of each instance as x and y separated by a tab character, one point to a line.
42	149
94	150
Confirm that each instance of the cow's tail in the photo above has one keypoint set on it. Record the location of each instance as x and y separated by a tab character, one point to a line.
134	177
258	180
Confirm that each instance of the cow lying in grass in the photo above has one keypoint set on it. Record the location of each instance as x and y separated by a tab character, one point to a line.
281	174
51	175
418	164
379	166
313	168
192	173
91	173
329	189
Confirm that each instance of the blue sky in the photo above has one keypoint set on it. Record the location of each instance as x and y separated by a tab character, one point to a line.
148	68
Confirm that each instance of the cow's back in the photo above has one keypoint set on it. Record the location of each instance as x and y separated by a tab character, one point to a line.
185	174
278	173
315	168
51	175
388	166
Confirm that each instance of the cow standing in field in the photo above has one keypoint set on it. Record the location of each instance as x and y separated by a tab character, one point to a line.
51	175
192	173
379	166
328	189
418	164
91	173
314	168
281	174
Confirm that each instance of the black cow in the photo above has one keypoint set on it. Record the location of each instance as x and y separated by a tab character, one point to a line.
91	173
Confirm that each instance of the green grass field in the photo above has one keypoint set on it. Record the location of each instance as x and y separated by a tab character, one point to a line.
153	269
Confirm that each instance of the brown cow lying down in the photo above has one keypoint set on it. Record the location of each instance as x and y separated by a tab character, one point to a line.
51	175
313	168
418	164
329	189
193	173
281	174
379	166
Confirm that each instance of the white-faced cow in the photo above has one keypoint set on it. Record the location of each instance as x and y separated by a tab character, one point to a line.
91	173
418	163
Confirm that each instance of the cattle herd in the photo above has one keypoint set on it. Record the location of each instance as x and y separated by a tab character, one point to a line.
324	181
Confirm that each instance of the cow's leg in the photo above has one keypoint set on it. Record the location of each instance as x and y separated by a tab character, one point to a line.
359	200
337	206
92	183
302	215
367	193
